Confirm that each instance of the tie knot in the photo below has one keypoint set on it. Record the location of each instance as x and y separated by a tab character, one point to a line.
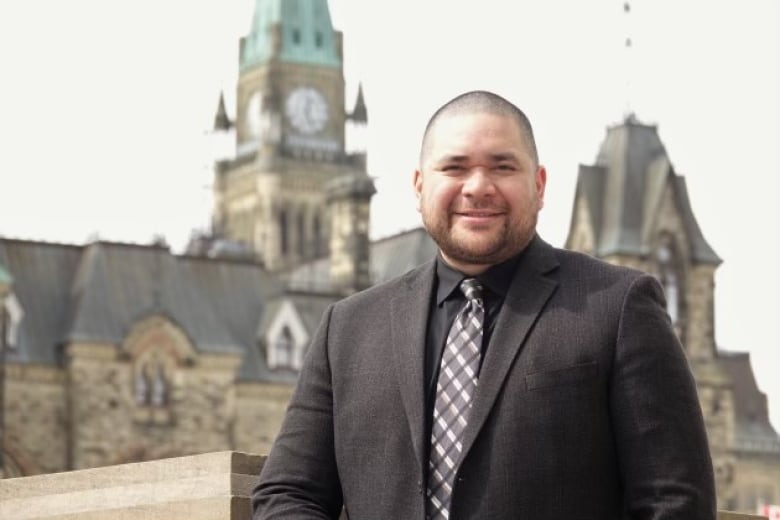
472	289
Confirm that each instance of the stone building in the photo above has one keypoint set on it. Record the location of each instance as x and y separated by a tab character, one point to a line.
120	352
631	208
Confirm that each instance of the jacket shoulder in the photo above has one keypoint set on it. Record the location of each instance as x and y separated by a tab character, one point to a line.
415	278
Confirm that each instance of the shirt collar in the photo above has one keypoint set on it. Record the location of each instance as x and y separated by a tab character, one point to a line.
496	278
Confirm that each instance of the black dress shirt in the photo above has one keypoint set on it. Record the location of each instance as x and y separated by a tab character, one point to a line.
447	301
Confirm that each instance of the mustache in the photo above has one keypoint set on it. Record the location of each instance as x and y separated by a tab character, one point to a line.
488	207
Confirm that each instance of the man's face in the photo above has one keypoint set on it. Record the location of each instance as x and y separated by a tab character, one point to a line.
478	189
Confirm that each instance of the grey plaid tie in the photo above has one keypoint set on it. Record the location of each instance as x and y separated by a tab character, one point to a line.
454	393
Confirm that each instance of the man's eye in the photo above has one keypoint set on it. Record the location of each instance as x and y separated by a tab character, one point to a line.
506	167
452	168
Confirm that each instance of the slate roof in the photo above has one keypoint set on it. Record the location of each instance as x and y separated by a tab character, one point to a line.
754	432
391	257
623	190
98	291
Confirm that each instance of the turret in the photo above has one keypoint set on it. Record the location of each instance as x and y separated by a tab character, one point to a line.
349	202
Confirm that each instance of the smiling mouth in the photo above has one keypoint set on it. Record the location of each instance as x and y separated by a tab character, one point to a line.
478	214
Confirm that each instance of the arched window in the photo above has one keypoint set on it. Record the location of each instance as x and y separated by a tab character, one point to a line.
669	280
142	385
670	275
152	379
159	394
301	236
317	237
284	241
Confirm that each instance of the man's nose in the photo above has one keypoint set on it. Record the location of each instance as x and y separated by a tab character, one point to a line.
479	184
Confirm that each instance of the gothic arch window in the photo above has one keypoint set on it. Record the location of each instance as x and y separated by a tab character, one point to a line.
669	269
301	224
158	352
284	238
317	236
153	371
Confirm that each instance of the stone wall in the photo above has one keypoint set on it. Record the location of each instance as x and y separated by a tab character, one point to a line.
109	425
36	419
260	411
756	480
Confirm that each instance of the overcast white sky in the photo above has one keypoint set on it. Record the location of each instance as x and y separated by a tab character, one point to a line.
105	108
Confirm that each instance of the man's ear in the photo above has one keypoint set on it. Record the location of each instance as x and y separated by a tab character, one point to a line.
417	181
540	183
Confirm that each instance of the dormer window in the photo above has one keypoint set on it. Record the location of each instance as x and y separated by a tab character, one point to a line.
285	339
284	349
296	36
318	39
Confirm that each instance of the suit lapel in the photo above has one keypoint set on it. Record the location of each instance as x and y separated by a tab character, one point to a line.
526	298
408	318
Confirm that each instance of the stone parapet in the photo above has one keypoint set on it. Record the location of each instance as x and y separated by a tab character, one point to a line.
212	486
728	515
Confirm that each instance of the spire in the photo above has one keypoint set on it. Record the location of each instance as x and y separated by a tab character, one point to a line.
623	191
291	31
221	119
627	57
359	113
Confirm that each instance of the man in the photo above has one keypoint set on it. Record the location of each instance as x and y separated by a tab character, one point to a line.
506	379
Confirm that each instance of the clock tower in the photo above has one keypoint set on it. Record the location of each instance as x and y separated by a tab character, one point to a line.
290	124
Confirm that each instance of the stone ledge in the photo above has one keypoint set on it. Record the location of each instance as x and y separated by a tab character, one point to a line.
211	486
728	515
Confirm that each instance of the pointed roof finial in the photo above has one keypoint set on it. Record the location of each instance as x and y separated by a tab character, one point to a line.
221	119
627	68
360	112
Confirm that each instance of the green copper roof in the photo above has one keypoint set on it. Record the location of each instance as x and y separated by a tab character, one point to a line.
305	34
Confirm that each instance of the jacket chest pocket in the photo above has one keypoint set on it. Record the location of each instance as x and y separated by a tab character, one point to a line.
573	375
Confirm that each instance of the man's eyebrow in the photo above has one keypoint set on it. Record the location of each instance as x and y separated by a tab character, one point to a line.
454	158
508	156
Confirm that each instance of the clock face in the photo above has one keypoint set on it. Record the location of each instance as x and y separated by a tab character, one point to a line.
254	115
307	110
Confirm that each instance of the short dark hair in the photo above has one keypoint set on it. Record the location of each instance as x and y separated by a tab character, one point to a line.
482	101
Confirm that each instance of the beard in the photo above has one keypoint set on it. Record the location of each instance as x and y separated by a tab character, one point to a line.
485	247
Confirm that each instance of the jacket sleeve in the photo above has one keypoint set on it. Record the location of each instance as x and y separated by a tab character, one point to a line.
299	478
660	437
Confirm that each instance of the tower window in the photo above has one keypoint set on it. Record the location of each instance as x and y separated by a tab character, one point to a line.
296	36
670	275
317	237
301	235
318	39
284	241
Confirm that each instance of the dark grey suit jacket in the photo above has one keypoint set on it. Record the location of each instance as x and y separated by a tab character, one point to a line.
586	408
